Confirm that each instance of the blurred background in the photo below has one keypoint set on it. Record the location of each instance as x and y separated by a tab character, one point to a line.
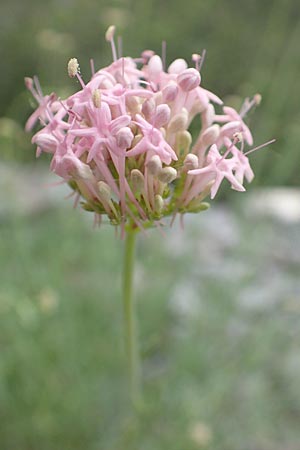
219	303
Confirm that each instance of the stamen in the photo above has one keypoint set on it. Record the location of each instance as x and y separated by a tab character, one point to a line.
260	146
120	46
164	54
249	104
202	59
109	36
92	66
74	71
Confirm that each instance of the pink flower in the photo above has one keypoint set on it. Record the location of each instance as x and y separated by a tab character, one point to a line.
122	141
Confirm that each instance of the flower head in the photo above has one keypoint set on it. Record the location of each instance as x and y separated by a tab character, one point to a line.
122	141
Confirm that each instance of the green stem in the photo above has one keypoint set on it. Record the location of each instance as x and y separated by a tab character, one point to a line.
129	317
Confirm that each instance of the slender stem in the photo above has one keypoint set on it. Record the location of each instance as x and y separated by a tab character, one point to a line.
129	316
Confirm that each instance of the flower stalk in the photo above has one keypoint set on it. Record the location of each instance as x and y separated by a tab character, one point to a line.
129	315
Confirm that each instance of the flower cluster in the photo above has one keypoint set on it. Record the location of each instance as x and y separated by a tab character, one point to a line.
123	145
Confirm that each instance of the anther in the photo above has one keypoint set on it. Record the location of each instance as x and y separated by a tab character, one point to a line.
73	67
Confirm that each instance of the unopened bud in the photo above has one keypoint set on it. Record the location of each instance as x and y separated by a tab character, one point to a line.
155	65
137	138
124	138
178	122
96	97
210	135
137	180
167	175
104	191
208	115
84	172
183	141
158	203
189	79
110	33
177	66
133	105
191	161
45	141
148	108
162	115
73	67
170	92
154	165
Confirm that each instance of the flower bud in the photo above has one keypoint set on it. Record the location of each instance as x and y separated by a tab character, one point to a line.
169	92
158	203
189	79
137	138
178	122
133	105
124	138
96	97
45	141
73	67
137	180
167	175
162	115
183	141
208	115
148	108
210	135
191	161
154	165
84	172
104	191
155	66
177	66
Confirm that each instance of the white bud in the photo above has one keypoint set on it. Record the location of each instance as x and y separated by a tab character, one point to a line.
104	191
110	33
154	165
137	180
162	115
178	122
155	65
45	141
158	203
210	135
177	66
191	161
167	175
124	137
183	140
73	67
96	97
133	104
148	108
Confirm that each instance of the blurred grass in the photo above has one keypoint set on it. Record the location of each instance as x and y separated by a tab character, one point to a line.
216	376
251	47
